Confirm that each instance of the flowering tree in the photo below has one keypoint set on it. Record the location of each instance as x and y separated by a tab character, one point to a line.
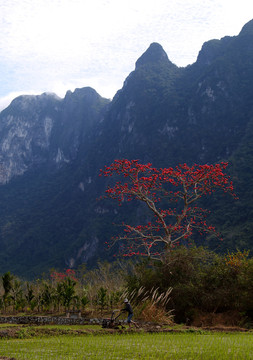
181	187
61	276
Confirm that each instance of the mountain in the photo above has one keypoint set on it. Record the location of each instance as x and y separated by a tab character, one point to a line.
36	129
51	151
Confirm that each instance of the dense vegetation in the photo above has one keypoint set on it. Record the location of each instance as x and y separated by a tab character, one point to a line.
192	286
202	282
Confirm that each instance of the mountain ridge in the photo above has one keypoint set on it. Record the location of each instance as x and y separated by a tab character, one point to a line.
50	216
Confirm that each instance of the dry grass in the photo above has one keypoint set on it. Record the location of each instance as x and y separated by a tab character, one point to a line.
151	305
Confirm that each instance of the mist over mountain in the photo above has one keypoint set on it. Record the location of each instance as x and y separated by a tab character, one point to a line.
51	150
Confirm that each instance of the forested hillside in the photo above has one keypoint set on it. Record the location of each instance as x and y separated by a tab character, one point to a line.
51	151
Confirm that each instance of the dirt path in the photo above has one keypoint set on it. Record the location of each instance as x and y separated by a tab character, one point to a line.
29	331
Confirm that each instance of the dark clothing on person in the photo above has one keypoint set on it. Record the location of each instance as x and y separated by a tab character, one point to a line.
128	308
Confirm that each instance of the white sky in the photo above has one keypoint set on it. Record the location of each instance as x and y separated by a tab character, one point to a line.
60	45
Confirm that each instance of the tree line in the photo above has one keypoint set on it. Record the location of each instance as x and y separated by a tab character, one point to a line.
191	282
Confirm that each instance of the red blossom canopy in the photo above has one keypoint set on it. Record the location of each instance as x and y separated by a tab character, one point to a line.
182	185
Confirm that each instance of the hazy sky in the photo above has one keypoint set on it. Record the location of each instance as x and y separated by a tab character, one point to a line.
59	45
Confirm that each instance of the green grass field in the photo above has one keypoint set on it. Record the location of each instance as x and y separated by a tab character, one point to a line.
183	346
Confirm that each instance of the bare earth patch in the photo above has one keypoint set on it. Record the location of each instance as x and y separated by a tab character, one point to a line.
28	331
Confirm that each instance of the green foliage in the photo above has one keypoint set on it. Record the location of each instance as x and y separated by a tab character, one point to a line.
68	292
16	295
30	293
201	281
114	298
96	290
84	301
13	292
46	296
191	281
7	283
102	299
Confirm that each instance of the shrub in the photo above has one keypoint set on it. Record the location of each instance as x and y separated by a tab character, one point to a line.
201	281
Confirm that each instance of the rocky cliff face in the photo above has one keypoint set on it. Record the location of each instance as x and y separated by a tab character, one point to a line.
25	132
50	216
35	130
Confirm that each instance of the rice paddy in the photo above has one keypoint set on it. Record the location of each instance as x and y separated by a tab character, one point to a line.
131	345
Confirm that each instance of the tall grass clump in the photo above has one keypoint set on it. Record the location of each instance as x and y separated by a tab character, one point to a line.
151	304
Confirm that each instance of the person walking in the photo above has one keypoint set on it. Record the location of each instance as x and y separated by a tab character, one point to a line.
129	310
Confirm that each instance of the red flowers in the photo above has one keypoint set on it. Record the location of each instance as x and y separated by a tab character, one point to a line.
182	185
59	276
